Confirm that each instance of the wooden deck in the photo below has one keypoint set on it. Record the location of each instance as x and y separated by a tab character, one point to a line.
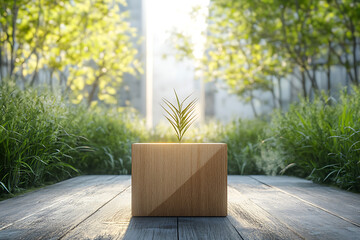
259	207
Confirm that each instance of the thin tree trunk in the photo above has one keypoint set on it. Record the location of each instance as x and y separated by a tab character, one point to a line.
312	78
93	90
328	76
328	69
314	82
280	92
35	72
61	78
13	50
33	78
252	104
303	84
291	91
51	79
272	90
356	77
1	53
348	70
1	46
6	54
22	76
1	62
273	97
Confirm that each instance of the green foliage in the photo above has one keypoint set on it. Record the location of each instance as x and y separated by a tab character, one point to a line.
180	117
109	135
87	46
320	140
35	145
253	45
45	138
243	140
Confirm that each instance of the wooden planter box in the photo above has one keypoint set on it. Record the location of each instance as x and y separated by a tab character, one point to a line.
179	179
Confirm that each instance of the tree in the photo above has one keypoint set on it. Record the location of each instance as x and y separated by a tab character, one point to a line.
233	55
85	45
255	45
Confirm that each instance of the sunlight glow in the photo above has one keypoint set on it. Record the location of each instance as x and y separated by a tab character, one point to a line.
163	18
170	15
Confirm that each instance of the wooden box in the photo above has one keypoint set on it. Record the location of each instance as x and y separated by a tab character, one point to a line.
179	179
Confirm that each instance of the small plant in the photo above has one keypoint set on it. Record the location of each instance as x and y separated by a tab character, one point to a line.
180	117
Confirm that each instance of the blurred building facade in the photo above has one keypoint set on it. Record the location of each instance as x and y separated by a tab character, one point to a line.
132	91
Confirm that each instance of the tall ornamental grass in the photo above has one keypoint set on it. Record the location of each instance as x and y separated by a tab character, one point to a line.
243	138
35	145
108	135
319	140
44	138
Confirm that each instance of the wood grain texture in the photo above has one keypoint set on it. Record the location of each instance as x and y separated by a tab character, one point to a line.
321	196
28	204
65	211
253	222
179	179
152	228
110	222
305	220
206	228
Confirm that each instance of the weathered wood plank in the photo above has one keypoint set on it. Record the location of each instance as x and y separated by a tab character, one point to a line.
341	203
67	210
157	228
206	228
252	222
305	220
114	221
98	207
24	205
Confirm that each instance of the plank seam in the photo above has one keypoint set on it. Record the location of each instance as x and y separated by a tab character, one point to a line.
234	228
308	202
177	227
62	236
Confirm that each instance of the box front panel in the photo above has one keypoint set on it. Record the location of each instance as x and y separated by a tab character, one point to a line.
179	179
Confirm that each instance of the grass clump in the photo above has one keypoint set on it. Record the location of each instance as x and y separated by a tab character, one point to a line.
35	145
108	135
43	138
319	140
243	138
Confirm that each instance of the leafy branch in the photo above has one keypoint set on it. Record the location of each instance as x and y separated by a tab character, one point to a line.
180	117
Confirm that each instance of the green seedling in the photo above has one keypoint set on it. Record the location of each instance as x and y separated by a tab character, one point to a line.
180	117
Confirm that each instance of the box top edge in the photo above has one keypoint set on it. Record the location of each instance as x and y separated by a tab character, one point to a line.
180	143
